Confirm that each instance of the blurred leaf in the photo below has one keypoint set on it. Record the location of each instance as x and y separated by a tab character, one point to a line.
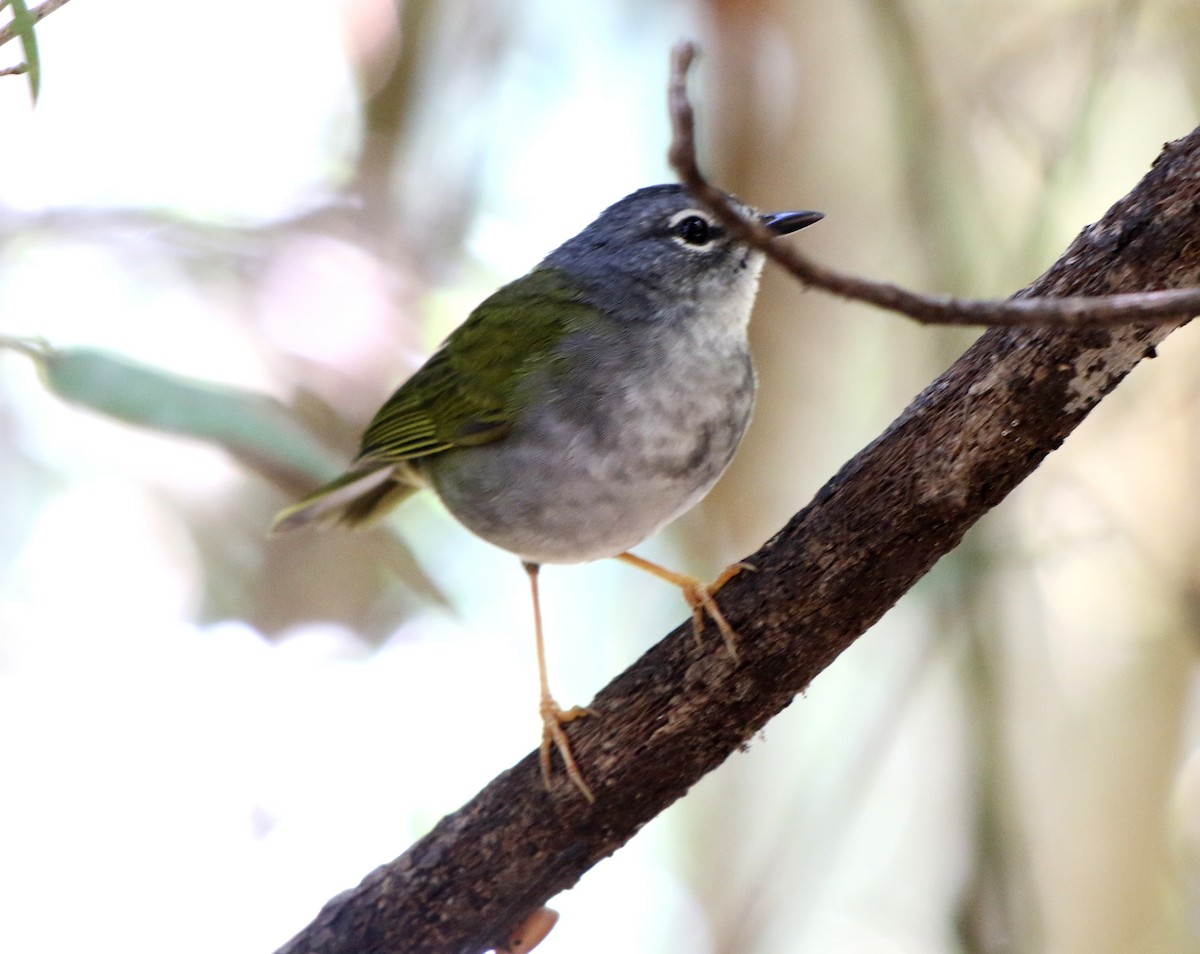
253	427
23	23
258	430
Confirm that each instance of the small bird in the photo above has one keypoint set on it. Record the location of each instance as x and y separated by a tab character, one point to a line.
580	408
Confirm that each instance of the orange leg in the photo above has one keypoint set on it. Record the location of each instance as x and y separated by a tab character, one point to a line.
553	716
699	595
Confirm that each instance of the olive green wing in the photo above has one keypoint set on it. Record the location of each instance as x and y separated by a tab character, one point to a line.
468	393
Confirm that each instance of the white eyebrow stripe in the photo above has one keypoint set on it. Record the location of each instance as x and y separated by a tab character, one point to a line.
680	216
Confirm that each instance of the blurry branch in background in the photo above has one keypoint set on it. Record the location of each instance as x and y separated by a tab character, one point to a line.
923	133
838	565
21	25
1168	306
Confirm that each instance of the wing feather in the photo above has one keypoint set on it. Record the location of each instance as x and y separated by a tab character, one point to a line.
468	393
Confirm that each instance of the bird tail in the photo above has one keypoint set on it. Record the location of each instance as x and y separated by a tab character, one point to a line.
357	498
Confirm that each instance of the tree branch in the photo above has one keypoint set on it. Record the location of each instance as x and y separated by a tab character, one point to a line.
826	577
37	14
1169	306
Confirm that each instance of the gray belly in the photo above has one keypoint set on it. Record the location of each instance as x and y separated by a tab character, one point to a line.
576	481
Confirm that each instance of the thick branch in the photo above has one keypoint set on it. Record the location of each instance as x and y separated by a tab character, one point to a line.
836	568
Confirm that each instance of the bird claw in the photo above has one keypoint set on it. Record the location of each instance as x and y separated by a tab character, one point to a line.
553	719
700	597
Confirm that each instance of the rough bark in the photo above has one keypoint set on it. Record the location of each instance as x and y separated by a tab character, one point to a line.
837	567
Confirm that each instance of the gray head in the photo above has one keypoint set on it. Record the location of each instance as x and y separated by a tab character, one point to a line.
658	250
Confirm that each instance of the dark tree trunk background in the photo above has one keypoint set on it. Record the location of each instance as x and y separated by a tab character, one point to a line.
871	532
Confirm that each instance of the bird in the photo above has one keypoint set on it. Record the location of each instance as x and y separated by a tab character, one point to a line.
579	408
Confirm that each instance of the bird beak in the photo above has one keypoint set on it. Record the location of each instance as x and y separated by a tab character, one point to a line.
784	223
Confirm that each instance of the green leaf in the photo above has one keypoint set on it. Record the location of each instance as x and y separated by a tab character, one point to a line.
23	24
256	429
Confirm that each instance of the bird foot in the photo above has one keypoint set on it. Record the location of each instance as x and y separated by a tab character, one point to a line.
553	719
701	601
700	597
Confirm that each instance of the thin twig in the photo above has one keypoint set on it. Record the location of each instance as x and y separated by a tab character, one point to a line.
38	13
1168	306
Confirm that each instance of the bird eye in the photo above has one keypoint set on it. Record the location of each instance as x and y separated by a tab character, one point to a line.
694	229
